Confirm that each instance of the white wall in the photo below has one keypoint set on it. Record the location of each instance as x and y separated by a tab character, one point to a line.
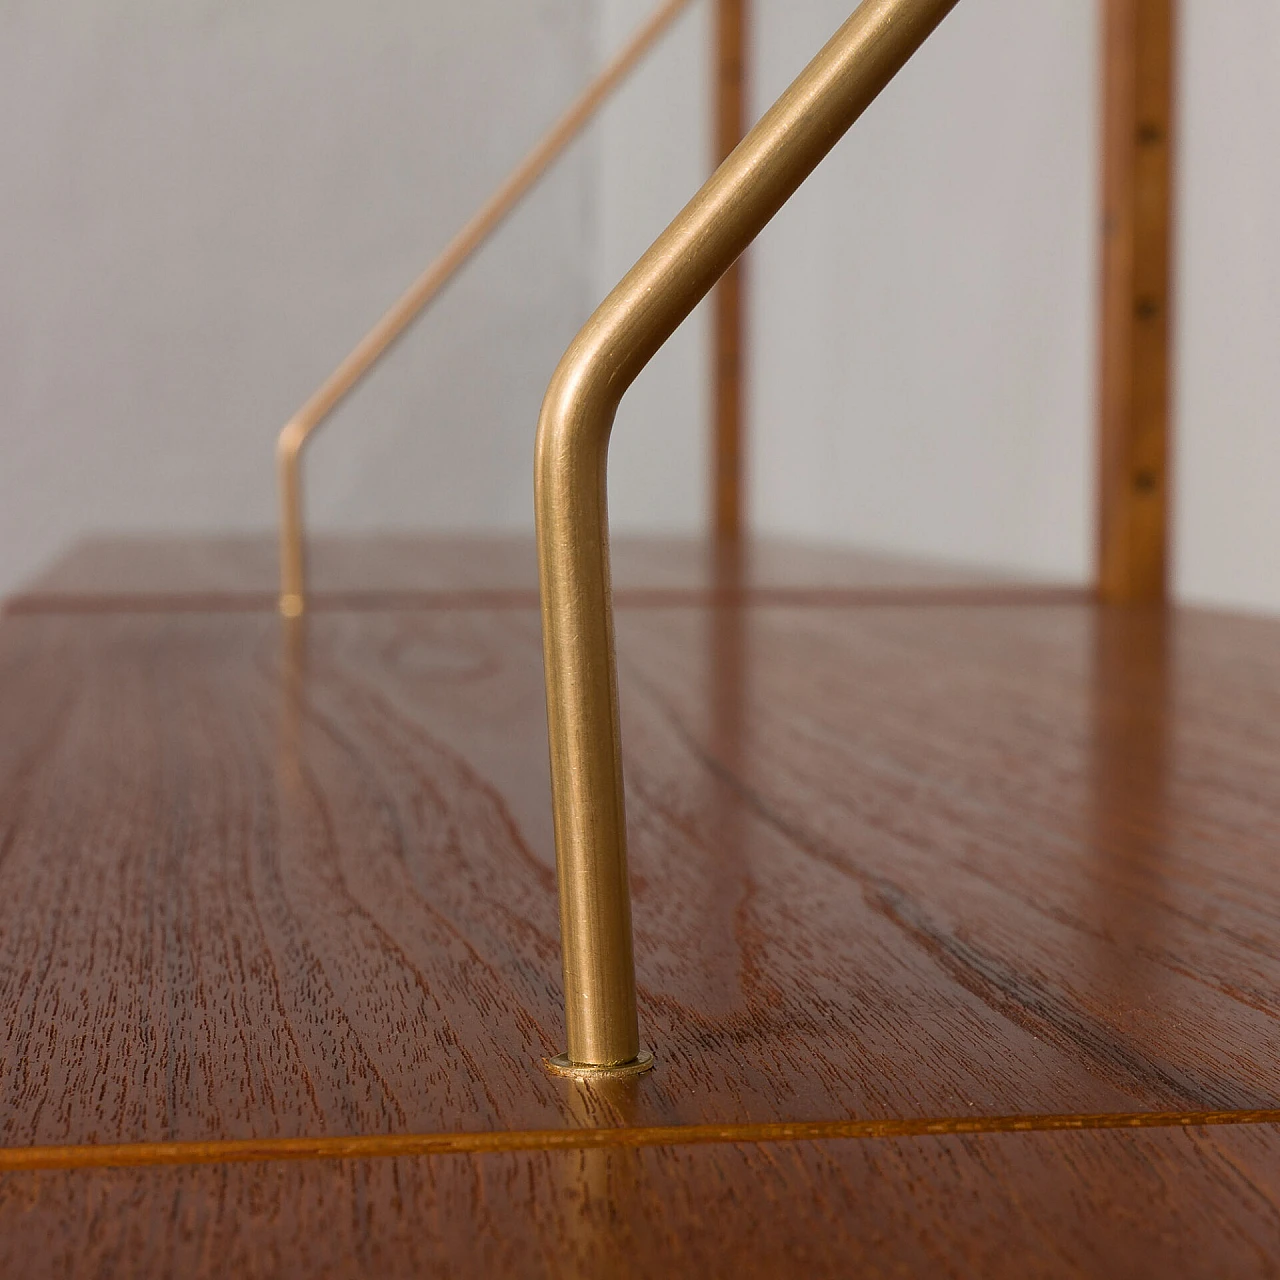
923	323
1227	441
204	205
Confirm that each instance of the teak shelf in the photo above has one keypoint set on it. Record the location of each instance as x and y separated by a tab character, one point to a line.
907	847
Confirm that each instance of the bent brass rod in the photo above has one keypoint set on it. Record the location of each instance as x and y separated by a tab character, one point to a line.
570	503
379	340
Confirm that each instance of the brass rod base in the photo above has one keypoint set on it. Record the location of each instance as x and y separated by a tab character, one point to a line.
561	1066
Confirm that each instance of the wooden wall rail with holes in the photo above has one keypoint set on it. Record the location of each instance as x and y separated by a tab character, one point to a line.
729	354
1133	426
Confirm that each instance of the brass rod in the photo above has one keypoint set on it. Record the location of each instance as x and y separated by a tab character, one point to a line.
570	501
379	340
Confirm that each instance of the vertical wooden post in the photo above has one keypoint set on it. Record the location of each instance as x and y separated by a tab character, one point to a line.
728	327
1133	427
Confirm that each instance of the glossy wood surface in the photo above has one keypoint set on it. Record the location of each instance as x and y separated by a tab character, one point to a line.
921	855
893	861
1186	1204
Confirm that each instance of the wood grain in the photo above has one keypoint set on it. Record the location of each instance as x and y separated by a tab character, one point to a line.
1137	194
1066	812
887	862
1188	1204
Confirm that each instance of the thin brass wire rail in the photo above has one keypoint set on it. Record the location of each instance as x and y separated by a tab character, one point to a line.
570	504
379	340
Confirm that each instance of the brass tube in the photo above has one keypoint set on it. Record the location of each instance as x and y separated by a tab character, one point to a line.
570	503
379	340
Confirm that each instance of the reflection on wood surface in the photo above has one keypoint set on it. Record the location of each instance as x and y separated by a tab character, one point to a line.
898	867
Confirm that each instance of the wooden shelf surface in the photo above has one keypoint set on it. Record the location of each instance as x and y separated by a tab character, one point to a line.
1026	1205
893	857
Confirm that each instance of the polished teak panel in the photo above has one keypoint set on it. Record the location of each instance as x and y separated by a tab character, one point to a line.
1188	1204
928	860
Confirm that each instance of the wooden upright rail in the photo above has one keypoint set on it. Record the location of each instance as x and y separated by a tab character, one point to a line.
730	65
1133	428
